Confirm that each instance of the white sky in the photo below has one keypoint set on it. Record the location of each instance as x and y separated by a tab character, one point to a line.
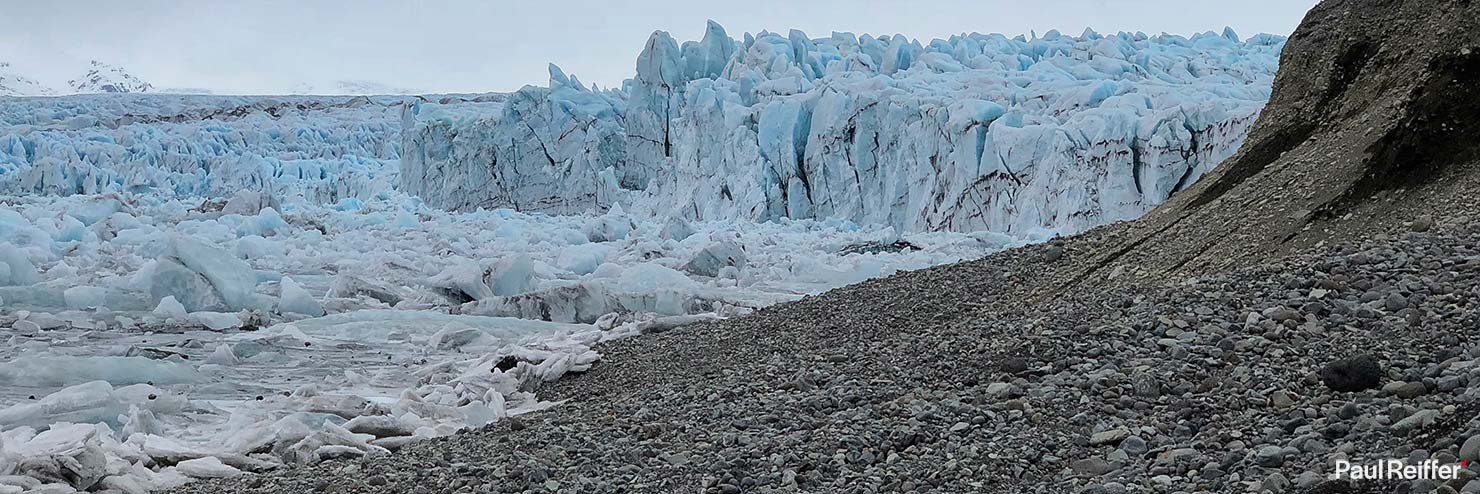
268	46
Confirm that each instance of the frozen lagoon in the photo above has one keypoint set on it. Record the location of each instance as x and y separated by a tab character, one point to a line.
435	320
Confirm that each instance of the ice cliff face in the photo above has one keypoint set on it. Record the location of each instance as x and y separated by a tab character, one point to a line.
561	150
105	78
978	132
320	149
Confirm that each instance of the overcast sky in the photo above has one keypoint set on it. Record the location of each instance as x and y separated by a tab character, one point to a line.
476	46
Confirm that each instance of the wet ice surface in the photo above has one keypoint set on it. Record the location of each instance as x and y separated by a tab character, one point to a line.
433	321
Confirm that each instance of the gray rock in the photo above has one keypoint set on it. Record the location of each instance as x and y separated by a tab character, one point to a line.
1470	450
1134	446
1419	420
997	391
1111	437
1395	302
1281	399
1408	390
1275	483
1053	253
1091	466
1282	314
1422	224
1352	374
1269	456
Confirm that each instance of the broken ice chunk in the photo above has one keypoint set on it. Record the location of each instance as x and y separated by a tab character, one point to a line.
676	229
379	426
170	308
222	356
172	280
18	269
217	321
512	276
208	467
454	336
294	299
232	279
247	203
719	255
83	297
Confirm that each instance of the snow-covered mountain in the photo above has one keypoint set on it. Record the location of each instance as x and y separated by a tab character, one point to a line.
12	83
106	78
350	88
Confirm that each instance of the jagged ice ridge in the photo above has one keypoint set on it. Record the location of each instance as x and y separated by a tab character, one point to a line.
977	132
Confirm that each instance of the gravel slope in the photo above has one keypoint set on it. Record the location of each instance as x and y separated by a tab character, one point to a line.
1212	384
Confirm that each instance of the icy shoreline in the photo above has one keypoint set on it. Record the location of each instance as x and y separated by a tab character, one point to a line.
152	385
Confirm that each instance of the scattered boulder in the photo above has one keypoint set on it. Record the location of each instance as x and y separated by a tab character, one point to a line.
1352	374
1470	450
1053	253
1110	437
1091	466
1269	456
1013	365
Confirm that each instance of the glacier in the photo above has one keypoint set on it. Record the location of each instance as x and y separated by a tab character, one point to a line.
975	132
201	286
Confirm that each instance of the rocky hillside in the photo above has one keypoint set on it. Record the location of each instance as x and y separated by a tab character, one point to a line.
1312	301
1372	125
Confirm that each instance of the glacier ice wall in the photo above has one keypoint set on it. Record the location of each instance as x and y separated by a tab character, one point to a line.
558	148
976	132
319	149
